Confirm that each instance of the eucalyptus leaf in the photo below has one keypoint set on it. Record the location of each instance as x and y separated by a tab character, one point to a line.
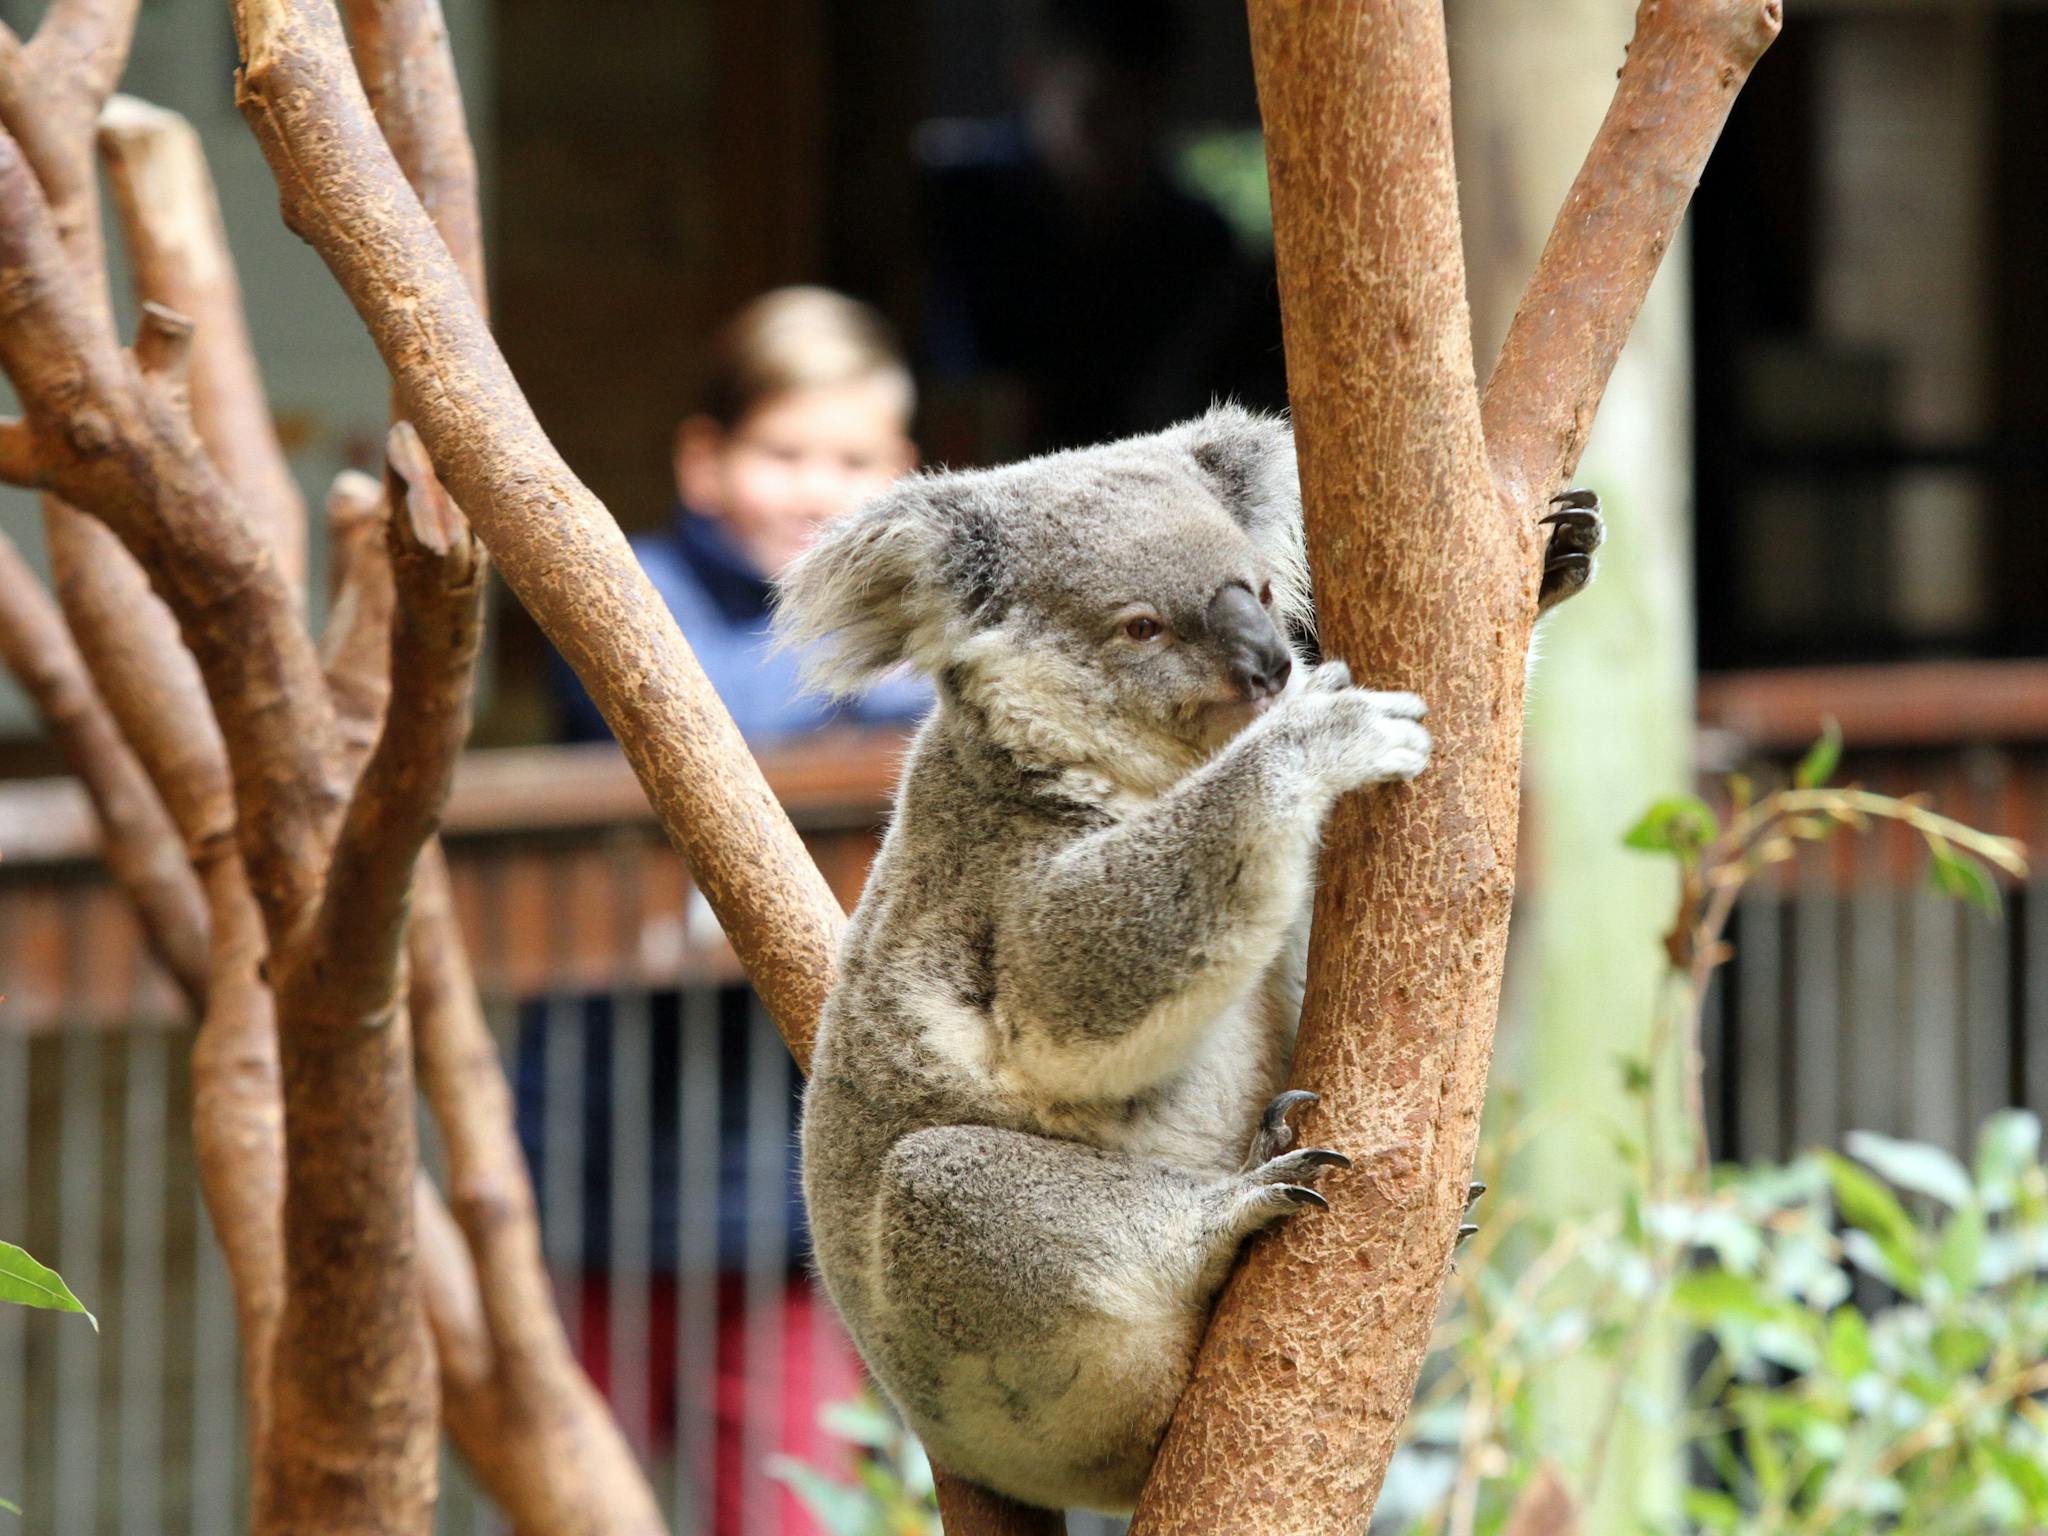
1959	875
1872	1209
1961	1249
2007	1146
840	1509
1848	1344
25	1281
1822	758
1675	824
1916	1166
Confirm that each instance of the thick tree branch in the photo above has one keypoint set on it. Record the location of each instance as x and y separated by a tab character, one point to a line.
107	442
356	1425
171	223
524	1414
140	842
408	73
51	89
560	551
1425	579
1421	583
1688	60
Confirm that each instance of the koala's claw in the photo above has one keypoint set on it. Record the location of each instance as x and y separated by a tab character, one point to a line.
1472	1192
1464	1232
1274	1134
1301	1194
1576	531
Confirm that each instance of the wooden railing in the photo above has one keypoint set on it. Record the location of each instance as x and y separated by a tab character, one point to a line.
561	876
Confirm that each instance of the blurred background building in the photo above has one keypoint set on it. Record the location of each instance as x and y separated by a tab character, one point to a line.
1826	464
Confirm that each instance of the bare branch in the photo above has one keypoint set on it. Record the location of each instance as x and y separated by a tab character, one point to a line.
408	72
355	650
1685	66
560	551
141	844
355	1425
171	223
966	1509
238	1136
18	454
51	89
504	1354
162	348
113	447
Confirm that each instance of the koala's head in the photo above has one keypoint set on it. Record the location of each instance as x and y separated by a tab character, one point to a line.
1120	611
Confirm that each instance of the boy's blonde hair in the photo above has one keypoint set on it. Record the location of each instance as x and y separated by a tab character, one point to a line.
793	338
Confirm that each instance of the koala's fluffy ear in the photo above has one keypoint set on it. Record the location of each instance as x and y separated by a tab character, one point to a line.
873	590
1248	458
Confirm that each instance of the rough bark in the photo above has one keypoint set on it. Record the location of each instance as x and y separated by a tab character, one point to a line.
559	550
408	73
171	226
138	838
355	1427
1424	542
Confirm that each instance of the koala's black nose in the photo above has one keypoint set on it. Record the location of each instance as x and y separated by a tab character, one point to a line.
1254	653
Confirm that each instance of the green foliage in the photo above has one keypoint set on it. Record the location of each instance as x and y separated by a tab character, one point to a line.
891	1494
1869	1327
1680	824
24	1281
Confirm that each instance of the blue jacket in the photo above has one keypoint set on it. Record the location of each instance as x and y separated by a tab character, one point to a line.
721	603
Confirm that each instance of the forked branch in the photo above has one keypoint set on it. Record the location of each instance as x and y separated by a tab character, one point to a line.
558	548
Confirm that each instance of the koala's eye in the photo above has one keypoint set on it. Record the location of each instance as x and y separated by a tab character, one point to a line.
1266	594
1143	628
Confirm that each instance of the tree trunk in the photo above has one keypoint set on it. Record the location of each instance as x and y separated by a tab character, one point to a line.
1421	507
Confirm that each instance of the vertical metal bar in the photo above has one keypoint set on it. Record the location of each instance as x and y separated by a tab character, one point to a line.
562	1102
1870	1027
13	1220
767	1262
2034	975
1987	1019
1816	1009
1935	1110
631	1208
216	1390
140	1326
697	1259
1759	1001
75	1510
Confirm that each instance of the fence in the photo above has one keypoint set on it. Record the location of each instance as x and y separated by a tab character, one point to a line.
656	1102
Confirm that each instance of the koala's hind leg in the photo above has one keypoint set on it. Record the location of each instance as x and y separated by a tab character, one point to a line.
1038	1302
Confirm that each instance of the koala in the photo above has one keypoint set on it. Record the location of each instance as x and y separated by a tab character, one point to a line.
1045	1103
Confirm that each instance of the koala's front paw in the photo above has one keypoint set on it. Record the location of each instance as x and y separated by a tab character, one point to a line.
1352	736
1576	531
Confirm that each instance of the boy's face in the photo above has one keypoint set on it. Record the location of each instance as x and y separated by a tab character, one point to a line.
797	459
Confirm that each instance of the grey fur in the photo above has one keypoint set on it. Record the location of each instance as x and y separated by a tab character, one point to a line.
1072	983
